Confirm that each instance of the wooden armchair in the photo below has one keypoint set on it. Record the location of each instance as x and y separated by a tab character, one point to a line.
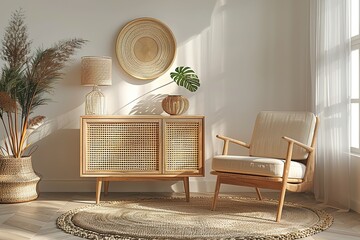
281	156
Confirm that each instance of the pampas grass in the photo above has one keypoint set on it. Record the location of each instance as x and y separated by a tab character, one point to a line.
25	77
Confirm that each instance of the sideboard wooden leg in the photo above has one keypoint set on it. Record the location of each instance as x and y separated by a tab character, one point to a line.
98	189
106	187
187	189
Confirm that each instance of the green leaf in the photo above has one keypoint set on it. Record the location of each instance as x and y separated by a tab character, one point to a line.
186	77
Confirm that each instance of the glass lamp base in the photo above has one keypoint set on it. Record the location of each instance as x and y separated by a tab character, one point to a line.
95	102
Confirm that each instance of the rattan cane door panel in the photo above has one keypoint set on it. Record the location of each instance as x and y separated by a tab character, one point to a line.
141	146
183	151
120	147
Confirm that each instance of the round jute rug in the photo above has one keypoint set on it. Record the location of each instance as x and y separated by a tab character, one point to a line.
173	218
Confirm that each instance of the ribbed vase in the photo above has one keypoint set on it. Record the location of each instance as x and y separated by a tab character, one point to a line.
18	181
175	104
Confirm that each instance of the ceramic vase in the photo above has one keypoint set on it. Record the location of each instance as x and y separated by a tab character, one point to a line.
175	104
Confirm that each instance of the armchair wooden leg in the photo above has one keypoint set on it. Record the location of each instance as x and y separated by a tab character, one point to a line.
281	202
284	181
258	193
216	194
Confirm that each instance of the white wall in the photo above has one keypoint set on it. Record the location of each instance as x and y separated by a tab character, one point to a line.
250	55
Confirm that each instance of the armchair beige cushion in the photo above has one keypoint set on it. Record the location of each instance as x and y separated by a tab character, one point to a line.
270	167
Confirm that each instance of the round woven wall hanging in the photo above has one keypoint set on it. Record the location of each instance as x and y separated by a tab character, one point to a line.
145	48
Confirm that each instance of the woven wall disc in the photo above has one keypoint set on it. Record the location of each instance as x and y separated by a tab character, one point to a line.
145	48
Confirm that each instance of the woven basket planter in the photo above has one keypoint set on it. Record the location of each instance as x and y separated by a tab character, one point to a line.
18	181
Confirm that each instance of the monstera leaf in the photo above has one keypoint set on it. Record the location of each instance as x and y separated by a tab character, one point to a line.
186	77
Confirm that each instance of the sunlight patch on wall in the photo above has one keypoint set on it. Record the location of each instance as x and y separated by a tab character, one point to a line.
64	121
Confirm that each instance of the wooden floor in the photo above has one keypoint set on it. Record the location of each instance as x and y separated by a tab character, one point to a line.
36	219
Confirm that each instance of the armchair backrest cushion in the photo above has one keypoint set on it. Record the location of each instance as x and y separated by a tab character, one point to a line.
271	126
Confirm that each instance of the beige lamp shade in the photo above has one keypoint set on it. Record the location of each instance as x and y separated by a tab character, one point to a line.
96	71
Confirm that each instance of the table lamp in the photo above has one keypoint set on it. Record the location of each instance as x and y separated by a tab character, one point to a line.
95	72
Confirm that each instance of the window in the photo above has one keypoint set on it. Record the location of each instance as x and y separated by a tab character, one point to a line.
355	77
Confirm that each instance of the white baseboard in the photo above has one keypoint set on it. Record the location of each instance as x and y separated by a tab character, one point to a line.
355	205
88	185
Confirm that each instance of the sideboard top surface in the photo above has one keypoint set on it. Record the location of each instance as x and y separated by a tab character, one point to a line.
140	116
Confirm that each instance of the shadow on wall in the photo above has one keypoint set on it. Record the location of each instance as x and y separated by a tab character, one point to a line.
146	103
57	156
149	105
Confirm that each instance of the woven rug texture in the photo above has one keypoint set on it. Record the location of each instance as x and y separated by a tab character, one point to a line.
174	218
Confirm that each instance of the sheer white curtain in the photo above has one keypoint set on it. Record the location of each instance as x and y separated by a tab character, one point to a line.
330	73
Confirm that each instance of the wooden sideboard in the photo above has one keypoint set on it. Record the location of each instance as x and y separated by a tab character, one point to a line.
154	147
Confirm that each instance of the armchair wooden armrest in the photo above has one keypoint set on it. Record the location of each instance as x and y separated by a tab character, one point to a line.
306	147
291	143
227	140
